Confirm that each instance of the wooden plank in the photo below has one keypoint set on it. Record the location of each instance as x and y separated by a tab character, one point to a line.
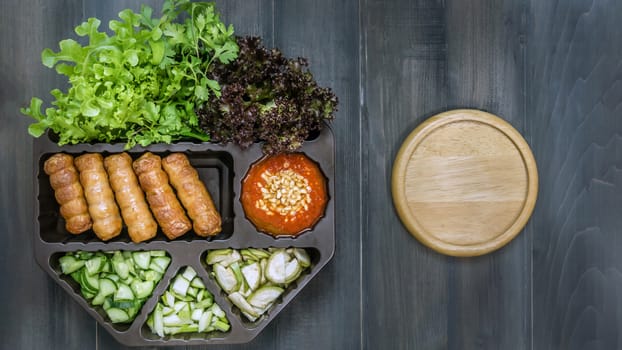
326	313
490	296
403	81
36	309
574	93
423	57
248	17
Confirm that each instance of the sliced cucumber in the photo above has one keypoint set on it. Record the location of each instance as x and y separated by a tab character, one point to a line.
160	261
107	303
204	321
196	314
69	264
131	267
150	321
142	289
98	300
222	326
189	273
142	259
167	310
179	305
82	255
192	292
181	329
205	303
95	265
186	306
218	312
106	288
117	315
124	305
87	294
197	283
181	297
132	311
124	292
113	277
169	299
121	268
185	314
172	320
151	275
189	328
90	282
200	295
107	266
180	285
77	276
158	321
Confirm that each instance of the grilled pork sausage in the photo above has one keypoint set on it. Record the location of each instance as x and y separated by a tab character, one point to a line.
68	192
192	194
162	200
140	223
104	212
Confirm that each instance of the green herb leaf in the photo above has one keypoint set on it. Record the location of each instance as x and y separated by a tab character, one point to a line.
141	84
37	129
70	51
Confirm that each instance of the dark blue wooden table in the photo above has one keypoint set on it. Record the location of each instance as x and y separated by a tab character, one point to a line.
551	68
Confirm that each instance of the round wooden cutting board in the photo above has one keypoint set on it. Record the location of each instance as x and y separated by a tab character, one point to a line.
464	182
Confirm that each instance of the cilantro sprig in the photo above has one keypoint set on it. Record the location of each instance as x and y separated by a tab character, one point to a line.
142	83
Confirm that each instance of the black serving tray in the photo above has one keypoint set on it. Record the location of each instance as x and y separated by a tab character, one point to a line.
221	168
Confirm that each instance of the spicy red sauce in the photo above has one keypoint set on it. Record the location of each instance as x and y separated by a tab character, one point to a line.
284	194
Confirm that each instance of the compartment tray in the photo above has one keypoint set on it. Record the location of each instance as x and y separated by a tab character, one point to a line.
222	168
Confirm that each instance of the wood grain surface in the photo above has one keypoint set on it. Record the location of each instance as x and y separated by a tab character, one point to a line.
550	68
458	55
464	182
574	98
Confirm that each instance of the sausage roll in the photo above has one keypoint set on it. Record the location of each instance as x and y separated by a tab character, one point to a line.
166	208
68	192
140	223
192	194
104	212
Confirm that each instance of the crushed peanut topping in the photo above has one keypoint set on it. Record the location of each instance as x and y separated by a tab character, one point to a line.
285	193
